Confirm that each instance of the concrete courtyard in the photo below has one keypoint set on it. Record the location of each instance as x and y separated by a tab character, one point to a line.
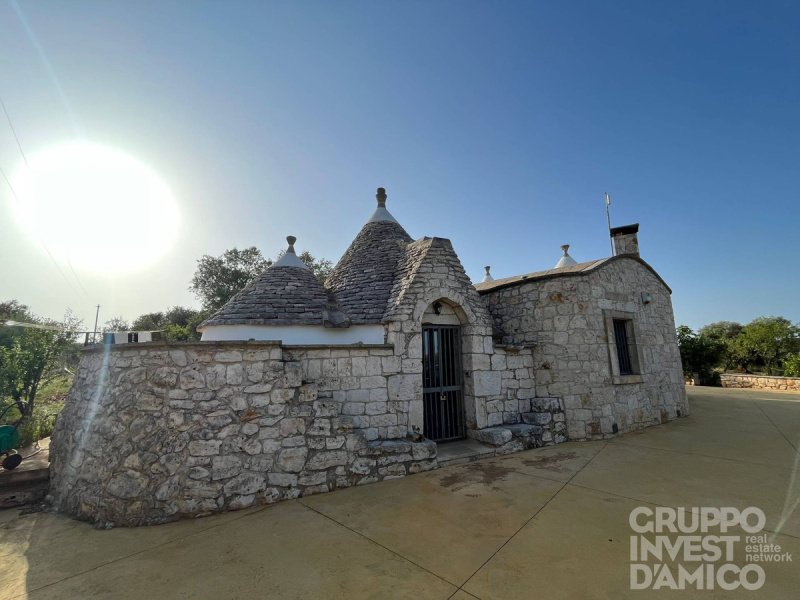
549	523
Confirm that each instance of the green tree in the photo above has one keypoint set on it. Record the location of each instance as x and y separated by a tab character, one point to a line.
37	356
178	324
321	267
149	322
699	353
218	278
766	342
724	332
12	311
117	324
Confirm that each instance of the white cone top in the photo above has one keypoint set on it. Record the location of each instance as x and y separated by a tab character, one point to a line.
566	260
290	259
381	214
488	276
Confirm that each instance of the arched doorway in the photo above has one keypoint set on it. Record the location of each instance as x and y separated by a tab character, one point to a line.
442	374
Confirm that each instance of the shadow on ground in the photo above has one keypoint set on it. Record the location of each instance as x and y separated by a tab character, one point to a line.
551	523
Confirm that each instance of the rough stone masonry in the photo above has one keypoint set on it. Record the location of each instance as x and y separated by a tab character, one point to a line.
158	431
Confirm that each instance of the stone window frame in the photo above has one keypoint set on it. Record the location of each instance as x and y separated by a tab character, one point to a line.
637	359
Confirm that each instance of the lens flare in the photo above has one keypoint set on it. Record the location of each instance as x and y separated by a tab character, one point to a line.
95	206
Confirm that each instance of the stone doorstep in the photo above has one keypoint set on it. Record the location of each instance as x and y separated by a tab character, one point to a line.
462	451
30	489
12	479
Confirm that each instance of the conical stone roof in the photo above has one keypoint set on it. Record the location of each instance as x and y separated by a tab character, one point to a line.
362	280
287	293
566	260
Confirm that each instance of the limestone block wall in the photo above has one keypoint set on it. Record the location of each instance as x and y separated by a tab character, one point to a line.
506	383
760	382
565	319
431	272
158	432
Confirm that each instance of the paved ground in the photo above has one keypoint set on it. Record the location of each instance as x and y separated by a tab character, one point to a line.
547	523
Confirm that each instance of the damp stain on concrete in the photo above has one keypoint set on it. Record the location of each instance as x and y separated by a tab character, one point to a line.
481	473
550	462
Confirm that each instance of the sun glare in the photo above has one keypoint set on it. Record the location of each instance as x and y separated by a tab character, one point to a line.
95	206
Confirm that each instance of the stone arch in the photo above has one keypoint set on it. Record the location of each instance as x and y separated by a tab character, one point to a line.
454	299
449	313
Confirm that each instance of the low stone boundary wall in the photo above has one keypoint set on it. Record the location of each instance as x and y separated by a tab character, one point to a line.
155	433
760	382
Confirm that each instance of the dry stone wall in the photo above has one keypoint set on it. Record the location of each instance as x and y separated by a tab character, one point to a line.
565	320
760	382
150	434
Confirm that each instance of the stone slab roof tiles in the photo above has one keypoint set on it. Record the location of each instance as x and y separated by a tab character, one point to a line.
362	280
279	296
287	293
568	271
431	264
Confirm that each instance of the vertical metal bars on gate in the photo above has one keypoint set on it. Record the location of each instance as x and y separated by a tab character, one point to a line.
443	397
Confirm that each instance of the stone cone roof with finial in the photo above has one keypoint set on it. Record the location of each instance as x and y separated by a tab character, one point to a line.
287	293
356	292
362	280
566	260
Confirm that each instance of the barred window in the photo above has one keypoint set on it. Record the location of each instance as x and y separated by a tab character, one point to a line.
624	356
623	336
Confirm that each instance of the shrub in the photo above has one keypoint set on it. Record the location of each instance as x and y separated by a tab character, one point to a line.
791	365
40	424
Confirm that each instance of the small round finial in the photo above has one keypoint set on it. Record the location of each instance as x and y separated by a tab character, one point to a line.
565	248
291	239
381	196
488	277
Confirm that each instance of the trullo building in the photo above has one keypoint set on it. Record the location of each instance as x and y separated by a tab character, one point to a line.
299	387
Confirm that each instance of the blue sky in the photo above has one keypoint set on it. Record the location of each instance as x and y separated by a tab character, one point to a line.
496	124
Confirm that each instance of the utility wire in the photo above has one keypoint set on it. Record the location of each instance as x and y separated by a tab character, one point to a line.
25	159
46	249
13	131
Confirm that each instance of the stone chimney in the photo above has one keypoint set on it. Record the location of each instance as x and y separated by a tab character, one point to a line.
625	239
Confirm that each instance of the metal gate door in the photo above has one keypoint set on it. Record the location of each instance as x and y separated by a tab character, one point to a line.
442	393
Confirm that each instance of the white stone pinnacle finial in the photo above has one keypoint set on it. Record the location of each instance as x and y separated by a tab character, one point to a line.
381	214
290	258
488	276
566	260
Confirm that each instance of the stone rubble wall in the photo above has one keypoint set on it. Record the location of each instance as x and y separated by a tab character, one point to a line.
543	423
505	380
563	318
496	382
760	382
155	433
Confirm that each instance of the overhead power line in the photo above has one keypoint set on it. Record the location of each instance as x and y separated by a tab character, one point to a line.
13	131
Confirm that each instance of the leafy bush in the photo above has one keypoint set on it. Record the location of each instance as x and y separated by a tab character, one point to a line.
40	424
791	365
700	354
